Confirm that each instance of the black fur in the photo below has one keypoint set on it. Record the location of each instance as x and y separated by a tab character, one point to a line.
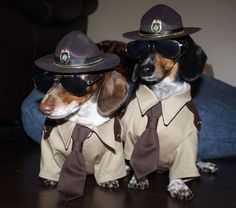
192	62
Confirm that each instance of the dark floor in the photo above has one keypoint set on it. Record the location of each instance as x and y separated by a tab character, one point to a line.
20	186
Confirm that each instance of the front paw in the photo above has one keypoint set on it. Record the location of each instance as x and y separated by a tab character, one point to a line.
207	167
138	184
179	190
48	182
110	184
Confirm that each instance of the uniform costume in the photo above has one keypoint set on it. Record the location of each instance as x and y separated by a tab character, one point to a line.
102	153
178	135
71	149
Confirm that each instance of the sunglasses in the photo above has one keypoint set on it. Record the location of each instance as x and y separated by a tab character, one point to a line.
168	48
73	84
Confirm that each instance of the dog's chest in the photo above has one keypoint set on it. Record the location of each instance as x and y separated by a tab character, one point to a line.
166	88
89	116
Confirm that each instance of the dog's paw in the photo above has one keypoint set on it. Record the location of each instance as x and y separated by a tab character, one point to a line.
179	190
138	184
110	184
128	168
207	167
48	182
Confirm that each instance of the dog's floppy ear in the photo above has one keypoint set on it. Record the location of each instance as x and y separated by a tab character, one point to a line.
193	61
135	74
113	93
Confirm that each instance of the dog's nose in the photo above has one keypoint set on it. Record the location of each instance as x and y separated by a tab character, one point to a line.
46	109
47	106
147	70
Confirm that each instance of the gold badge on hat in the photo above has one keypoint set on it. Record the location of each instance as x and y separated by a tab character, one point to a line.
64	56
156	26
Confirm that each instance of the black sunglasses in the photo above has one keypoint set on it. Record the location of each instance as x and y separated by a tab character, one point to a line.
168	48
73	84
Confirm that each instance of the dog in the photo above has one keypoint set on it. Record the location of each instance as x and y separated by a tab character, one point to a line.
166	73
104	94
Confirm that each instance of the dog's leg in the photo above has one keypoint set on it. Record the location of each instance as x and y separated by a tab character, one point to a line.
207	167
128	168
48	182
141	184
179	190
110	184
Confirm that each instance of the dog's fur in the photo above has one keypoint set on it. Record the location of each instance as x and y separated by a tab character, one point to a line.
165	77
93	109
101	101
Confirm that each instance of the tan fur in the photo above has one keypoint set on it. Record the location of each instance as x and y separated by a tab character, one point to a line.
109	95
163	65
57	96
68	98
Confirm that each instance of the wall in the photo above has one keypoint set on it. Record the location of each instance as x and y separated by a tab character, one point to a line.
215	17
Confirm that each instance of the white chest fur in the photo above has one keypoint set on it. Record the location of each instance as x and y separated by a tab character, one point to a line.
88	115
168	87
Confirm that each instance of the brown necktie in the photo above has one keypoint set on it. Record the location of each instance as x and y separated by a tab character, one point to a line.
145	155
73	173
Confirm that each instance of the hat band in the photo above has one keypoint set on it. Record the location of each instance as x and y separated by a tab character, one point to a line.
79	63
176	32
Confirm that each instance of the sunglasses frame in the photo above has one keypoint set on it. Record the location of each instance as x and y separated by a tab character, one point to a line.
152	45
56	78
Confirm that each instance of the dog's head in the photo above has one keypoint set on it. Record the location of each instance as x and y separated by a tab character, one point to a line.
69	92
178	58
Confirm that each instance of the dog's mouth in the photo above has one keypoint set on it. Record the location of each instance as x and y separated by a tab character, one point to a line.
150	79
64	114
56	117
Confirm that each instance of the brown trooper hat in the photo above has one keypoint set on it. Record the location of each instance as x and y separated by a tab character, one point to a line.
76	53
160	22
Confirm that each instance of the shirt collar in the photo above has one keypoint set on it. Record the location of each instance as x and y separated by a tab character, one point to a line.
105	133
66	130
170	106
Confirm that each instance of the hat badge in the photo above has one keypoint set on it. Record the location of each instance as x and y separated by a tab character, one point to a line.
64	56
156	26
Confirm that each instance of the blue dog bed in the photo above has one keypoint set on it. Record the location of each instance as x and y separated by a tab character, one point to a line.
216	104
31	117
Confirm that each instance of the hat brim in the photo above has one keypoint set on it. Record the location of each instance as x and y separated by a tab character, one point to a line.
47	63
135	35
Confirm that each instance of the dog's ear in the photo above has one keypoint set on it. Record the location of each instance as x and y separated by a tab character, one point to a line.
193	61
113	93
135	74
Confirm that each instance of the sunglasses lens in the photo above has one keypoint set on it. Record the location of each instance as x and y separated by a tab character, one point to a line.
43	82
167	48
74	85
135	49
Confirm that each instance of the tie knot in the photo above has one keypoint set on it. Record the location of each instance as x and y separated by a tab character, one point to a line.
152	123
153	115
80	133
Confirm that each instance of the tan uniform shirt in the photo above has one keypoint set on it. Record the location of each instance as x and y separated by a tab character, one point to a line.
103	155
177	133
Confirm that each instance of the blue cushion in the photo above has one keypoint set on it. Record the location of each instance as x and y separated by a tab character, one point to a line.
32	118
216	104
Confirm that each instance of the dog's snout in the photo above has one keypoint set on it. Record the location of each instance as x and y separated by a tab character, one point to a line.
147	70
47	106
